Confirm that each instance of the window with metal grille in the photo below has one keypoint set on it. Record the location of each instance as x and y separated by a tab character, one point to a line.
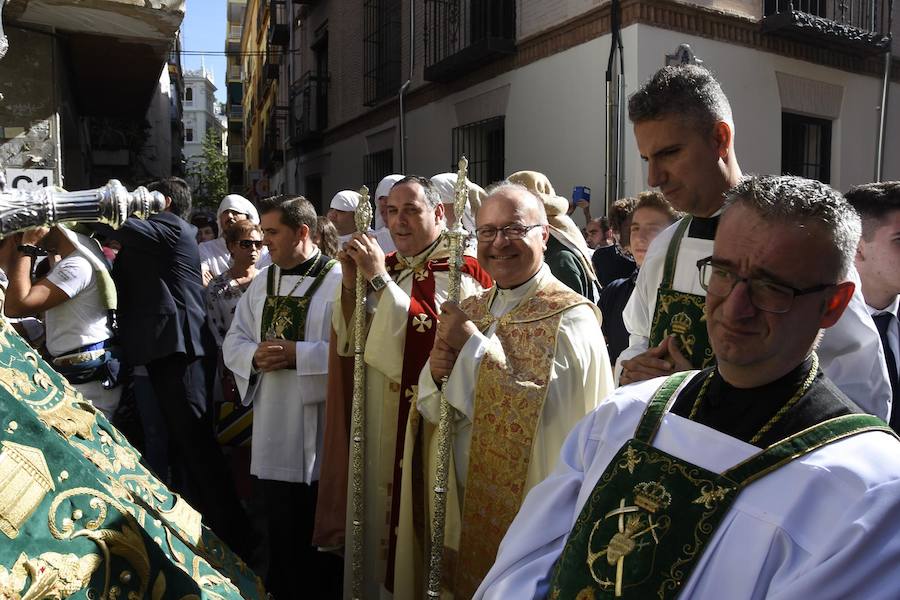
806	147
376	166
381	45
483	143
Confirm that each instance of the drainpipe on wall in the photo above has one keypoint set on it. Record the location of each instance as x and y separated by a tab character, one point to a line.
615	111
407	83
885	90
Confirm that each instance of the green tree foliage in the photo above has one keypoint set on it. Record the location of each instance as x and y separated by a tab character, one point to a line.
209	172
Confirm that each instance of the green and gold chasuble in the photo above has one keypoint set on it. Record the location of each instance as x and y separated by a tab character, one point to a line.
650	516
284	317
680	313
80	516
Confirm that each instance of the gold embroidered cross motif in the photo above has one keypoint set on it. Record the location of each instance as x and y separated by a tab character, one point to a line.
421	322
710	495
411	392
649	498
421	273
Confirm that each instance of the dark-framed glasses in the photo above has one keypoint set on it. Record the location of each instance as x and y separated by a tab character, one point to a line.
247	244
510	232
765	294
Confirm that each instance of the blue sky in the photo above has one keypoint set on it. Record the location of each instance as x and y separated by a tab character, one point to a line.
203	29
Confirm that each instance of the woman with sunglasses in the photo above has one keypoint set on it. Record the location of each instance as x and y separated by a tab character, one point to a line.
243	239
244	242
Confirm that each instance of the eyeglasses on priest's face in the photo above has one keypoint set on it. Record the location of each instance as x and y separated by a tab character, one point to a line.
247	244
510	232
765	294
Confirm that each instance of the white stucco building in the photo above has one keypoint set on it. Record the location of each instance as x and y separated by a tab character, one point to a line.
201	113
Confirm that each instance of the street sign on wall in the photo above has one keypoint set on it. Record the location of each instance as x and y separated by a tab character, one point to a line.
29	179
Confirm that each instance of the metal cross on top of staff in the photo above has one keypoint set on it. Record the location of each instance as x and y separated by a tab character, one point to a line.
358	410
457	235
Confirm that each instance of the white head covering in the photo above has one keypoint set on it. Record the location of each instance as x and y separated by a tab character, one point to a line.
383	189
445	184
346	200
239	204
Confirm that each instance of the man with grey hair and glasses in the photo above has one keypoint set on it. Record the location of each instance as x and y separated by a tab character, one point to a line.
525	361
684	130
754	478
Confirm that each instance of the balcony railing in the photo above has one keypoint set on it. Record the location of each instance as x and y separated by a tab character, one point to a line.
861	25
308	109
234	73
235	31
279	30
271	151
464	34
235	153
235	111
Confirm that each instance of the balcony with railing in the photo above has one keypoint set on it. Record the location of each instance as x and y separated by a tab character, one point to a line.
858	25
308	110
236	153
279	29
463	34
235	112
234	73
271	151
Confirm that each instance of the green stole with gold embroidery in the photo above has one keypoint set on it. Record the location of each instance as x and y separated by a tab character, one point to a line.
650	516
285	316
680	313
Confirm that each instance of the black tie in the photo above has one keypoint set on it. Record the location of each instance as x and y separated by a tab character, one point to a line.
883	323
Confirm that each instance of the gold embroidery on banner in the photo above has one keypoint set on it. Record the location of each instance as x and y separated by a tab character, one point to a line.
24	481
126	543
511	389
52	575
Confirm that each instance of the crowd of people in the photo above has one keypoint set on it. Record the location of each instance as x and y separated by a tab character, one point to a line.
690	398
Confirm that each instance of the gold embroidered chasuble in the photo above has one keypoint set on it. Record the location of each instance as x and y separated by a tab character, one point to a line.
509	399
512	384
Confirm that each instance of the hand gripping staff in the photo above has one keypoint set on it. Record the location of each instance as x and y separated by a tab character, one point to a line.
457	236
358	410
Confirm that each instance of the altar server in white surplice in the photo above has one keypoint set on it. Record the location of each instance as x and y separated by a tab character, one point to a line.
684	130
277	347
757	478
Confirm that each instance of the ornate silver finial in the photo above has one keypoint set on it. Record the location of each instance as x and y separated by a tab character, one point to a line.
363	217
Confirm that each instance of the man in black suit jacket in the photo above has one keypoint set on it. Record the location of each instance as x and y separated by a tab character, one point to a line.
161	315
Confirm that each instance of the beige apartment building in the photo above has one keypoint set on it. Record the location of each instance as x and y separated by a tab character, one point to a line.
520	84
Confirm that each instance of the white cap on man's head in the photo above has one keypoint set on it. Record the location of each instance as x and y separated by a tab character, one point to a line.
238	204
346	200
385	185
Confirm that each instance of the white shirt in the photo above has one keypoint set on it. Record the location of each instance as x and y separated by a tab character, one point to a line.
824	526
288	405
845	351
893	330
82	319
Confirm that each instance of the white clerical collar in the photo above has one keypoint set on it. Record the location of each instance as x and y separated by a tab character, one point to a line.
893	308
513	296
415	261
